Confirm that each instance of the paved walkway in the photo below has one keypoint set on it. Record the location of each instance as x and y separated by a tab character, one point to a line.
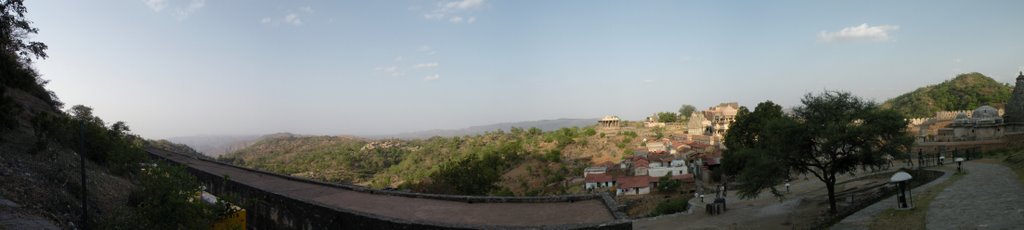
862	219
988	197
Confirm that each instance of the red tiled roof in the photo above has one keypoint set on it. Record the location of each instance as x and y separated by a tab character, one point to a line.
634	182
641	163
598	178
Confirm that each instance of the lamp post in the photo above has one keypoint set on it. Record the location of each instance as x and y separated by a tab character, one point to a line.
904	199
81	154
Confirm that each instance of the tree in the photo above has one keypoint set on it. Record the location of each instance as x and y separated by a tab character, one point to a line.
667	117
667	184
167	199
685	111
833	133
747	133
15	29
16	53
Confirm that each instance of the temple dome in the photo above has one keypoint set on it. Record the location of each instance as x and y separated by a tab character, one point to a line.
961	118
984	112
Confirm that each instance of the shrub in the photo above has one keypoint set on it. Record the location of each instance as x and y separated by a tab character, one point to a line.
671	206
167	199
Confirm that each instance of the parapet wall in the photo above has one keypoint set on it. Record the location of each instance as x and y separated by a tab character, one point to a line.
268	210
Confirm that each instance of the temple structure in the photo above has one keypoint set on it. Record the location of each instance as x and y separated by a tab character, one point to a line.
609	122
981	124
1014	117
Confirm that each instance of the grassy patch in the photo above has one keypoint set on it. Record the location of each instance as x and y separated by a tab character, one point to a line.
1015	160
914	218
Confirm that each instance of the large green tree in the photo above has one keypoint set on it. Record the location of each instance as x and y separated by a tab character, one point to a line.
667	117
685	111
745	143
832	133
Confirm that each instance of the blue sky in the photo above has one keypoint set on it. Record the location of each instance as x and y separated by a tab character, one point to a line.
189	67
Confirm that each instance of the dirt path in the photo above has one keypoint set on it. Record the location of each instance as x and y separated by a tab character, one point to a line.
988	197
807	197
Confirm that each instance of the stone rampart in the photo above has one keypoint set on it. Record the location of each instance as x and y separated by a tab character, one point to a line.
269	210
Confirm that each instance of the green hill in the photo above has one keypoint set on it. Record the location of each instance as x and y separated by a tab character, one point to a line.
965	92
472	165
326	158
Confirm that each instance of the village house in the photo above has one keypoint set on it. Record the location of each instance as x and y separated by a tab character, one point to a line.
657	146
599	180
676	167
634	185
640	166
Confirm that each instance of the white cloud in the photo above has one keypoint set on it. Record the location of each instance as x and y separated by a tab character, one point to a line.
863	32
433	15
426	50
399	58
432	77
179	12
156	5
426	65
648	81
453	11
390	70
463	4
293	19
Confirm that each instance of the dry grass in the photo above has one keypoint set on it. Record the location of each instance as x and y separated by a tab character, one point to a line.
914	218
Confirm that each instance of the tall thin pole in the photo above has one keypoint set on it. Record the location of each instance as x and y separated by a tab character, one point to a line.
81	146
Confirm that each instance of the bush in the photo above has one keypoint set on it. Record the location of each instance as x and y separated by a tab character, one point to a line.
167	198
552	156
671	206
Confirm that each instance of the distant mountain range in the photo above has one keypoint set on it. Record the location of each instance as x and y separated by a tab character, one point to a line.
216	145
545	125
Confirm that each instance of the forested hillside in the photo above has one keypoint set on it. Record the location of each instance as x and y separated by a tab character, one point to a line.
475	165
44	153
965	92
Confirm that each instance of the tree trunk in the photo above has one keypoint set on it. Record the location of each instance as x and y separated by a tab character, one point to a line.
831	186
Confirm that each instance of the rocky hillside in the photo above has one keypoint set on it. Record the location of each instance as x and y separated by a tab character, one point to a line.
44	152
965	92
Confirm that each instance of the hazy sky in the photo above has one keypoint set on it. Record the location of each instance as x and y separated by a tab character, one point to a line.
187	67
